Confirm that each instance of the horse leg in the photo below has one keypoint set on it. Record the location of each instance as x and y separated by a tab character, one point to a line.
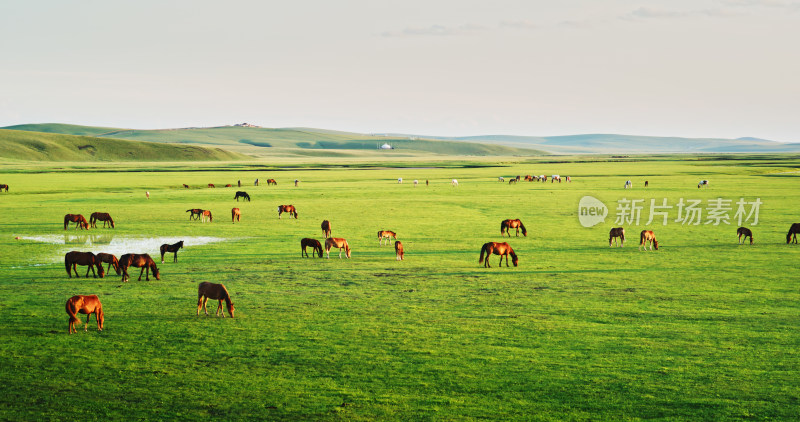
162	256
142	272
205	302
219	308
176	257
86	327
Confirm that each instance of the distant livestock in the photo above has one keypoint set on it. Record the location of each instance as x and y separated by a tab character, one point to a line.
236	215
792	235
398	250
336	242
647	236
496	248
616	232
744	233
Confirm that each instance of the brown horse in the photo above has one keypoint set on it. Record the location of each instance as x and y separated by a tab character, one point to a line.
195	213
512	224
310	243
743	233
171	248
236	215
85	305
206	215
326	228
186	186
229	185
617	232
647	236
386	234
101	216
110	259
79	220
214	291
211	185
271	182
528	178
142	261
496	248
793	233
337	242
287	208
398	250
74	258
3	187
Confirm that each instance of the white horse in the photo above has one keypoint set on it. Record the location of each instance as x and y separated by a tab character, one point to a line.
554	178
702	183
454	182
569	179
415	182
500	179
628	184
400	180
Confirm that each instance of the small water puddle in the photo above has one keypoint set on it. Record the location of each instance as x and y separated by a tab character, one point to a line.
117	245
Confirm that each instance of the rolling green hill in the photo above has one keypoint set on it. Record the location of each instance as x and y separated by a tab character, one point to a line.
291	141
37	146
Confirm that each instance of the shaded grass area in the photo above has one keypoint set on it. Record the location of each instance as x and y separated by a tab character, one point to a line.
702	329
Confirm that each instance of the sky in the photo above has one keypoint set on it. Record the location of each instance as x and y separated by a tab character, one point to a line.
692	68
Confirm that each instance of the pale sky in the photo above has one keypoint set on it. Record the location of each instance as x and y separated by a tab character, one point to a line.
695	68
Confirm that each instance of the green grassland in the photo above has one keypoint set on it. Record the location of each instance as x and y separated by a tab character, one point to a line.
18	145
703	328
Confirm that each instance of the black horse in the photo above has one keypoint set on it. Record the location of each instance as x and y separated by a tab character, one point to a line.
240	194
171	248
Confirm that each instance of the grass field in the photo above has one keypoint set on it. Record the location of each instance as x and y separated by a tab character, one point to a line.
703	328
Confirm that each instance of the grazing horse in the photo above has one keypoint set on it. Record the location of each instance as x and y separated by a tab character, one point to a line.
416	182
240	194
229	185
74	258
255	183
647	236
500	179
398	250
510	181
240	183
214	291
496	248
84	305
555	178
512	224
400	180
454	182
195	213
386	234
646	183
296	182
528	178
616	232
185	186
287	208
211	185
206	215
236	215
310	243
628	184
110	259
79	220
743	233
326	228
271	182
142	261
337	242
101	216
171	248
518	178
3	187
702	183
792	233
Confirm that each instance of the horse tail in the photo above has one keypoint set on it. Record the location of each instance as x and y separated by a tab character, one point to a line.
484	249
66	221
72	309
502	227
68	264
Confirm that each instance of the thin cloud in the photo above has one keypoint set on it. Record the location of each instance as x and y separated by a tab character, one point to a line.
436	31
523	25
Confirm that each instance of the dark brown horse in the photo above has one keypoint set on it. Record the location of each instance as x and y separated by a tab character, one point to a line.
398	250
101	216
214	291
647	236
171	248
310	243
496	248
110	259
142	261
3	187
386	234
326	228
74	258
744	233
84	305
186	186
79	220
241	194
195	213
271	182
236	215
211	185
793	231
616	232
287	208
512	224
336	242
